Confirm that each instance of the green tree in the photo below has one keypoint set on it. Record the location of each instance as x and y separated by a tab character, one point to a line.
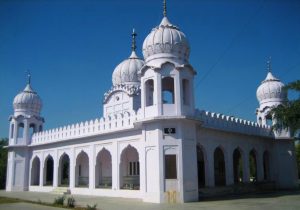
288	115
3	162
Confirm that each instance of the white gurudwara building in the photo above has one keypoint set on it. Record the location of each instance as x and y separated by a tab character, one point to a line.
151	143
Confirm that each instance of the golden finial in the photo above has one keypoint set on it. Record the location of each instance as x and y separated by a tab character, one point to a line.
133	44
165	8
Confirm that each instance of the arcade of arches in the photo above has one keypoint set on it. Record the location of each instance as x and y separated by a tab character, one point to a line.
129	170
226	169
244	167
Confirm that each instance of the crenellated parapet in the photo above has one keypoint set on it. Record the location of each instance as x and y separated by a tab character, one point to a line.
130	89
232	124
86	129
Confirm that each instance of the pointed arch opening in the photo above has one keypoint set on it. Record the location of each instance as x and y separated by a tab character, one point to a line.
103	170
32	129
237	166
266	165
82	170
35	171
20	130
168	95
201	166
130	169
219	167
48	171
64	170
253	165
149	92
12	130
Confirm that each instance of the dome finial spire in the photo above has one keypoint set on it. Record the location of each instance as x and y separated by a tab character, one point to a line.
133	44
269	66
28	77
165	8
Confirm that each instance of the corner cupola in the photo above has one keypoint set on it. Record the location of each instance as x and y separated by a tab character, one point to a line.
27	102
270	94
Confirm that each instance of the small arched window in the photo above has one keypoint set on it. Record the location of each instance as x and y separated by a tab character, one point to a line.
149	91
186	92
168	96
20	130
32	129
12	128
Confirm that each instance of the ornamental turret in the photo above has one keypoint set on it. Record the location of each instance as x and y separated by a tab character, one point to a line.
24	122
167	77
124	96
270	94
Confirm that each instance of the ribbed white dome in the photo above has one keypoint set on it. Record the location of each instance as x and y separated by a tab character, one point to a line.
27	101
271	90
166	40
127	71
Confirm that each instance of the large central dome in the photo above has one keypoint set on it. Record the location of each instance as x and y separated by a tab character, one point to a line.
166	41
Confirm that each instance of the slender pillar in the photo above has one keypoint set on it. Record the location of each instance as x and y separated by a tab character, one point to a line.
72	168
210	174
229	168
246	169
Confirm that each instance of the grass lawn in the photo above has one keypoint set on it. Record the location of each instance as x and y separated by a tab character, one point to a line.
9	200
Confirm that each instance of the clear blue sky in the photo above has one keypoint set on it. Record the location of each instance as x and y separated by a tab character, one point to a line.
72	48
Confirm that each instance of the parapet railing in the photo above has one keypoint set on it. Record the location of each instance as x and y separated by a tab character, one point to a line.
232	124
87	128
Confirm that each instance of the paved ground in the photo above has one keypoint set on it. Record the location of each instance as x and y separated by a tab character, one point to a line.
271	201
26	206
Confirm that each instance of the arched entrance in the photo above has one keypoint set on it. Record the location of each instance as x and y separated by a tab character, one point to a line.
201	167
266	162
237	166
35	171
82	170
130	169
253	166
219	167
103	170
48	171
64	170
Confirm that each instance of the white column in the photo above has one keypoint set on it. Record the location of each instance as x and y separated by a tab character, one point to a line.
157	92
178	93
229	167
41	173
55	169
115	166
92	168
260	166
210	173
246	169
72	168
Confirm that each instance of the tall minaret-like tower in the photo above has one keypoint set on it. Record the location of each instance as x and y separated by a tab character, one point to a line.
167	106
23	123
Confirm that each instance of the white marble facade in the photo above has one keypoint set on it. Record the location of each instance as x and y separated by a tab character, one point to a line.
151	143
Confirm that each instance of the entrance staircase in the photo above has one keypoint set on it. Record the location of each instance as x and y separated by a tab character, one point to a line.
61	191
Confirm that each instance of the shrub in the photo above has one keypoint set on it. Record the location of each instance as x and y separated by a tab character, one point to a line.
88	207
71	202
59	200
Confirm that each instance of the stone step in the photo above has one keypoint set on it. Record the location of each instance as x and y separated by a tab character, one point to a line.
61	191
